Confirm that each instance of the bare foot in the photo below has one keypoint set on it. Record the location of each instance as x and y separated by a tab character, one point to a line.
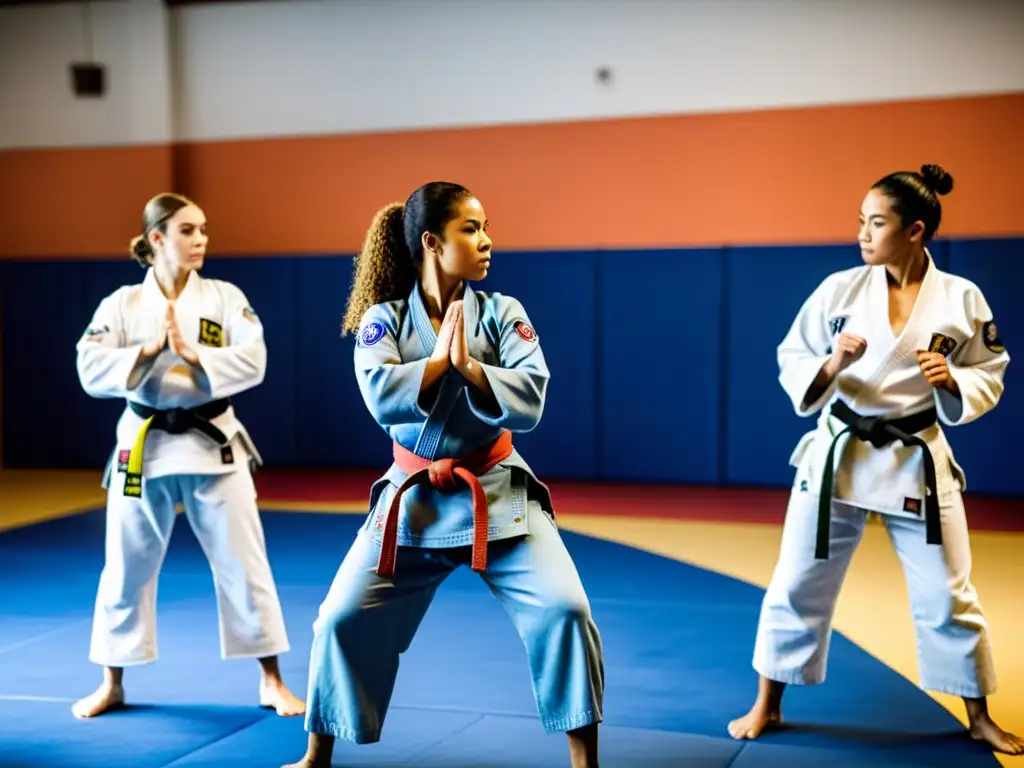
274	695
318	753
985	729
767	710
106	698
756	720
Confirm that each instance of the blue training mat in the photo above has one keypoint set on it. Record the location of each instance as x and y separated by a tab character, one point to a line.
678	642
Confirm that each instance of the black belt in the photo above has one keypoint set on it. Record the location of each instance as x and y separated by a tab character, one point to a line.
177	421
174	421
880	432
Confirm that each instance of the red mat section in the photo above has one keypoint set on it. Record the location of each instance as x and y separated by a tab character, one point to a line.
731	505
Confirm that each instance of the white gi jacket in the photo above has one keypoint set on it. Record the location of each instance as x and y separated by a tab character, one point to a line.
215	320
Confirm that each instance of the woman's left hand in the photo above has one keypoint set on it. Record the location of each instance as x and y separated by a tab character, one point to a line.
935	369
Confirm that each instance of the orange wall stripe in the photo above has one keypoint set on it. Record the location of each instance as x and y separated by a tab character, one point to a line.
62	203
762	177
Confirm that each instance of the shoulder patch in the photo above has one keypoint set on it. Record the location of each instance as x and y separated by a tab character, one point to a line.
525	331
990	336
250	314
371	334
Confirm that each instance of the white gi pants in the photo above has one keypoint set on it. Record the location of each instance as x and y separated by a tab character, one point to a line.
223	514
793	634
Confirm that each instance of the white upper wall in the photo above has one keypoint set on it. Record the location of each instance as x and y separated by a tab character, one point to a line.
335	66
39	43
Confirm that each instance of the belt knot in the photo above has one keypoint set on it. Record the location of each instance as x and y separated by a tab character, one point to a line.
872	429
442	475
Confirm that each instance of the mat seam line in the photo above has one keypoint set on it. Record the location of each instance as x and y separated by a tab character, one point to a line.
259	719
420	752
737	755
43	636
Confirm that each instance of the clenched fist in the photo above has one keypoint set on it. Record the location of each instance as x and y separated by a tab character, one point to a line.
848	350
935	369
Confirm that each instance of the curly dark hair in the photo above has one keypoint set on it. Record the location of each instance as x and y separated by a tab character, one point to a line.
388	264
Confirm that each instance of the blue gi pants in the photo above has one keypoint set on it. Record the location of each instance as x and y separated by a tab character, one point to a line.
366	622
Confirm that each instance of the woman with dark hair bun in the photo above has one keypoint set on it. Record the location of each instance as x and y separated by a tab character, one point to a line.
887	354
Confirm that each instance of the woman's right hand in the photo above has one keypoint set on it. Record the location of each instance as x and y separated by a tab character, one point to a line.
848	350
155	347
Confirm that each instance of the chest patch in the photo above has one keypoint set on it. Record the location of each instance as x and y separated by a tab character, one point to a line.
941	344
836	324
211	334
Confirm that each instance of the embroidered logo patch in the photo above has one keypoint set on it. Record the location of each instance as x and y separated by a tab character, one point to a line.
941	344
211	334
227	456
990	335
250	314
122	460
836	324
371	334
912	505
526	333
94	331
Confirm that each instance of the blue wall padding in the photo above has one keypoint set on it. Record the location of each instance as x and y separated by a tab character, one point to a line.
662	361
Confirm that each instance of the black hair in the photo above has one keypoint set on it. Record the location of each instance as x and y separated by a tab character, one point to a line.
915	196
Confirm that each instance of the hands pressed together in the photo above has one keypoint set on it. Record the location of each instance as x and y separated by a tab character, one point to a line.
170	337
450	349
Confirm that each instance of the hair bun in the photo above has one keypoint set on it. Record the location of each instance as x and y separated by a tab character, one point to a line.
141	250
936	178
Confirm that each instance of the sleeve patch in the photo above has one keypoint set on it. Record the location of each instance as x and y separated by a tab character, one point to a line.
990	336
371	334
94	331
250	314
526	333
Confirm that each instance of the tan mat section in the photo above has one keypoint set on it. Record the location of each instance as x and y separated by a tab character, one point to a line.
873	609
30	496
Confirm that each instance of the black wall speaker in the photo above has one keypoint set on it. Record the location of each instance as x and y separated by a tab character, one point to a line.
88	79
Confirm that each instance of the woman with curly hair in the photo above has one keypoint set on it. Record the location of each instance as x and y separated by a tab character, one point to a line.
449	373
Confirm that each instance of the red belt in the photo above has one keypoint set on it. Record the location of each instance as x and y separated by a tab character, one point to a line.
444	475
